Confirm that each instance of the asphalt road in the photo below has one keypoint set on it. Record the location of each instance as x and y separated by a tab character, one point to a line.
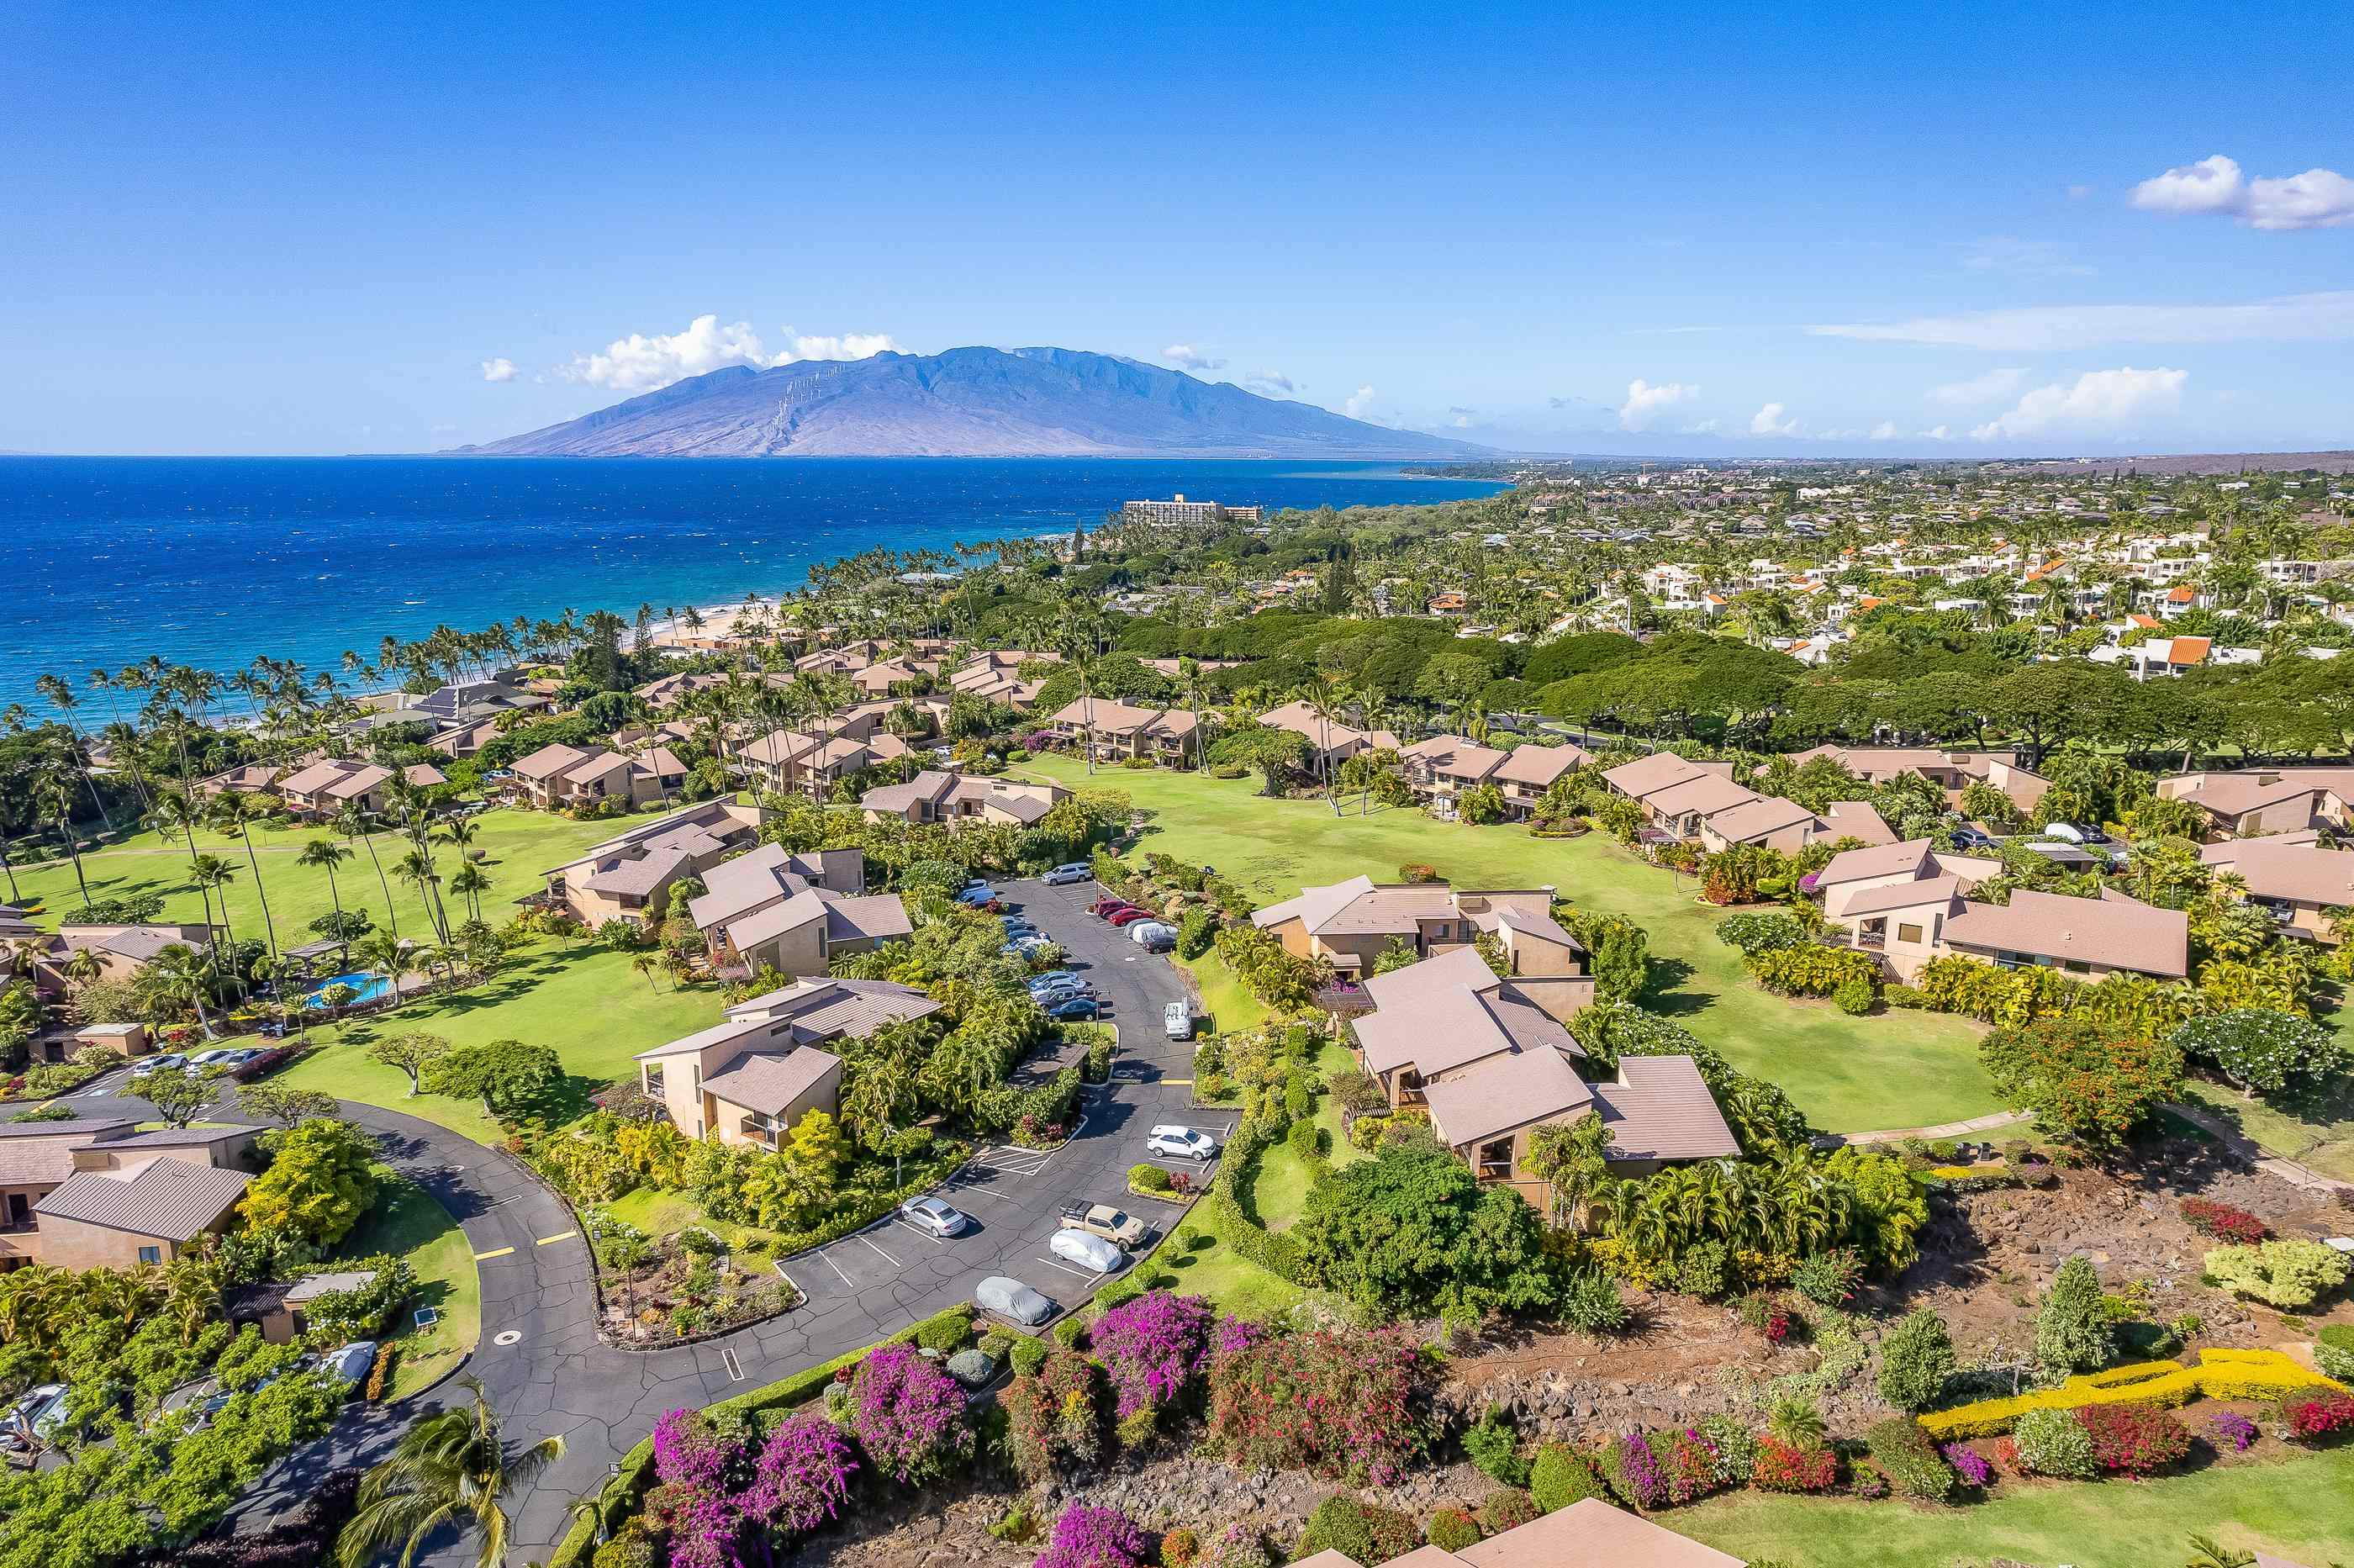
540	1358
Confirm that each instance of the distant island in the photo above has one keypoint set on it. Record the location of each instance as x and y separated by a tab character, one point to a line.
967	402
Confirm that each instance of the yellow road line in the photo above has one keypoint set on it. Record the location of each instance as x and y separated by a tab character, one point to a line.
494	1252
1179	1083
560	1236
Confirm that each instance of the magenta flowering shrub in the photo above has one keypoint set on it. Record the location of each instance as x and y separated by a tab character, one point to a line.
705	1528
1088	1537
1232	1335
1634	1471
1969	1464
801	1477
1341	1404
910	1414
2231	1430
1151	1347
688	1453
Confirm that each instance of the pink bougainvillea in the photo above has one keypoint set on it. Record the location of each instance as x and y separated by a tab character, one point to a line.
801	1477
1338	1403
1088	1537
910	1416
1151	1347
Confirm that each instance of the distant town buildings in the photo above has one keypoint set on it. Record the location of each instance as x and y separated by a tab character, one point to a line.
1182	512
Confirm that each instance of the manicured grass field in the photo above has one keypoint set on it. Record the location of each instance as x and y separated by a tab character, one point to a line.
409	1224
1280	1192
1897	1069
516	847
1224	1004
2297	1509
1201	1257
585	1001
660	1212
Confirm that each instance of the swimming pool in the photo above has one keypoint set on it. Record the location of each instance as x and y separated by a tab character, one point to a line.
367	986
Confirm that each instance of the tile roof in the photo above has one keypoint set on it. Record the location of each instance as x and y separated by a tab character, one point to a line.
1538	765
1702	795
1900	896
2112	930
1650	775
876	917
169	1199
1755	818
767	1081
735	887
1858	820
1502	1093
1593	1534
1448	1012
1659	1108
1902	859
2301	872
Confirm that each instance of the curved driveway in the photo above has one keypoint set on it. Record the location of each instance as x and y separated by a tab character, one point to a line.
556	1377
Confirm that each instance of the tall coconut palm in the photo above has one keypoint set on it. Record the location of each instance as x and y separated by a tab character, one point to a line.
452	1467
183	812
213	874
234	817
327	853
53	798
61	697
352	824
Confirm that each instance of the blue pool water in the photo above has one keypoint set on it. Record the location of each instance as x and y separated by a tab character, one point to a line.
369	986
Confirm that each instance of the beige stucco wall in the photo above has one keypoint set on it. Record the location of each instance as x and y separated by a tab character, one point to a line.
71	1243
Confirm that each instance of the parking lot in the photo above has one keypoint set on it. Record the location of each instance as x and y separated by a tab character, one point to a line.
894	1269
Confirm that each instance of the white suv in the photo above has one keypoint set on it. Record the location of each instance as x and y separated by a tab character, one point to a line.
1181	1143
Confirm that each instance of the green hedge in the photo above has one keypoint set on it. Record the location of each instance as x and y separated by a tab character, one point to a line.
625	1491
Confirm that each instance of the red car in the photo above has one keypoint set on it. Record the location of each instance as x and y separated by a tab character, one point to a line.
1104	908
1129	916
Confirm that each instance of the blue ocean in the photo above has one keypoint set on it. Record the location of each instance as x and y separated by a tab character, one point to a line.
212	561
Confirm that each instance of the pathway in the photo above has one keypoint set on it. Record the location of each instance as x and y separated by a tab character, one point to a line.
2247	1148
1943	1129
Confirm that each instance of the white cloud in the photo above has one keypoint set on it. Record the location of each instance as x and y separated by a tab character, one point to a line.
1644	403
1990	387
1769	421
1885	431
849	346
2022	257
1462	422
1269	381
1938	433
640	364
499	369
2317	198
1359	401
2302	318
1700	427
2099	402
1185	356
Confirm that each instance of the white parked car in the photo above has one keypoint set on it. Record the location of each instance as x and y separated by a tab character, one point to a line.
1181	1143
1011	1298
1153	935
1065	874
934	1217
1086	1251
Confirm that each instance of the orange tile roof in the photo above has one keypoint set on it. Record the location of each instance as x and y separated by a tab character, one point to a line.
2147	622
2190	650
2179	596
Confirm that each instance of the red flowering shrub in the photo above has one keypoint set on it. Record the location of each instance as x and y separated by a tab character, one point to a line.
2224	1221
1055	1420
2005	1457
1340	1404
1690	1461
1782	1468
2312	1414
1777	1326
2133	1439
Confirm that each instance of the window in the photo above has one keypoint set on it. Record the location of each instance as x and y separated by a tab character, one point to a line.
1908	932
150	1255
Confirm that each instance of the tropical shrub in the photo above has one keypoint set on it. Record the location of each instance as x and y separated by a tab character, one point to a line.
1562	1476
2073	1332
1151	1349
1507	1510
1910	1462
1149	1177
1915	1359
2085	1079
2262	1050
2231	1430
2133	1439
1054	1420
1089	1537
2224	1221
1761	932
1813	969
1413	1231
2317	1413
1180	1548
909	1414
1493	1444
2054	1443
1691	1461
2284	1274
1450	1529
1338	1403
2333	1350
1853	997
1633	1471
1736	1449
1969	1464
1785	1467
1828	1278
1365	1532
1028	1355
1591	1304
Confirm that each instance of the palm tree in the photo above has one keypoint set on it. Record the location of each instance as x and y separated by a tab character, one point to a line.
327	853
1795	1421
181	811
646	964
234	817
2206	1551
451	1467
54	800
470	884
352	825
61	697
184	974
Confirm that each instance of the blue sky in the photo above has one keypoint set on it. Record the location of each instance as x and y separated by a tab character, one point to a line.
299	230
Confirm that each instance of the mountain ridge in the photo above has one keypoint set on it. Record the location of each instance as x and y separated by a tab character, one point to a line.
966	402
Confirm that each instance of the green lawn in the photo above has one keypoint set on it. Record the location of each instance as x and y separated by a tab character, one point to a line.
1224	1004
1280	1190
516	847
585	1001
662	1213
1899	1069
2317	1131
1204	1262
2298	1508
407	1222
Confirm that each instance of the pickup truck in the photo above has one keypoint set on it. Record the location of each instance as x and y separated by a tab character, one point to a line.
1103	1220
